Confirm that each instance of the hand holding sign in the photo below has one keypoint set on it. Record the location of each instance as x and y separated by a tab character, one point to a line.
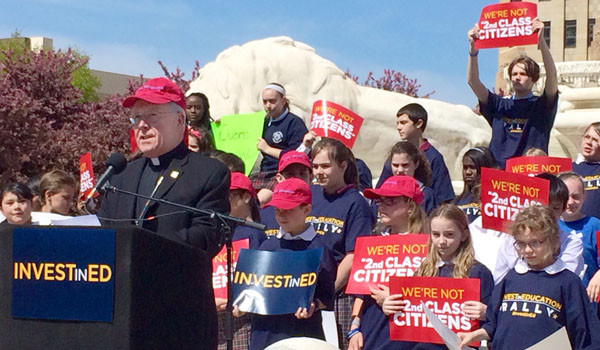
506	24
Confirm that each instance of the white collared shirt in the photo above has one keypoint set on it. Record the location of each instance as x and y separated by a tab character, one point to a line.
557	266
307	235
281	116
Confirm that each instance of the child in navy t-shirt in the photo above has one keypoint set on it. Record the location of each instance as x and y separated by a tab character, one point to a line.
539	296
588	166
521	121
292	202
283	131
411	122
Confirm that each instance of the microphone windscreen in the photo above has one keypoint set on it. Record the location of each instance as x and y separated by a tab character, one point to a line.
117	161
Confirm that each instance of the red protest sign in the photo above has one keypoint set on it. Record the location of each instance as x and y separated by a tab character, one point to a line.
537	165
86	175
377	258
503	194
442	295
507	24
219	263
337	122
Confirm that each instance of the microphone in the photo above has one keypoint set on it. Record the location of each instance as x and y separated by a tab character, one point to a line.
114	165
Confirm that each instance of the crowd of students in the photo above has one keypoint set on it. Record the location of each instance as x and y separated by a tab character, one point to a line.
312	192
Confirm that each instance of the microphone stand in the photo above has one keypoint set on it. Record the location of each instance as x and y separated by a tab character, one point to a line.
224	225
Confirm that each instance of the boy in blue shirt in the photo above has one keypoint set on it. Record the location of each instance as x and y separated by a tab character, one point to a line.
585	227
522	121
411	122
292	201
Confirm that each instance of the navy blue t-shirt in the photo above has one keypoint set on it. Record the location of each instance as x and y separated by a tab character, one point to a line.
256	237
285	133
267	330
375	325
267	218
440	177
590	172
340	218
526	308
430	201
365	177
470	205
518	124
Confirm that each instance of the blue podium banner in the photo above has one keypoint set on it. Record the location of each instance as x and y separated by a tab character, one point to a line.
63	274
275	283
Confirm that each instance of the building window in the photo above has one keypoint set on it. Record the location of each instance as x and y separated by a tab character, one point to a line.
546	33
570	33
591	23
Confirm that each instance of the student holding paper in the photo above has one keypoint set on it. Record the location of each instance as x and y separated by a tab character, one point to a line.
340	214
244	206
450	255
292	201
522	120
399	199
540	295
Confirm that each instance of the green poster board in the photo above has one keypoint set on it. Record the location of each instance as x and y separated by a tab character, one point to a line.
239	134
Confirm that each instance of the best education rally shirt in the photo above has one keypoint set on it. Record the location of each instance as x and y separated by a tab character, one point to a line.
340	217
590	173
284	132
531	305
518	124
469	204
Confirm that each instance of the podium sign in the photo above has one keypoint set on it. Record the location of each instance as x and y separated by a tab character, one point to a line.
63	274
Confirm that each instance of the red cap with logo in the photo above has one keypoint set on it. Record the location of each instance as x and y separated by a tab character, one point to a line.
396	186
157	91
239	181
289	194
293	157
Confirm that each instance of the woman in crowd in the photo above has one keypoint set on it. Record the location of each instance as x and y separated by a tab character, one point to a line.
399	199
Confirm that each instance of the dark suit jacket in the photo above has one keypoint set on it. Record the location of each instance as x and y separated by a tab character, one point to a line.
190	179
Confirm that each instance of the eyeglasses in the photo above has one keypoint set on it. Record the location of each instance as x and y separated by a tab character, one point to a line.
519	245
389	201
149	119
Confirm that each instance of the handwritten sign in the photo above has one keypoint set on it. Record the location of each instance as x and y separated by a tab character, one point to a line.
86	175
377	258
332	120
239	134
219	264
504	194
507	24
444	296
537	165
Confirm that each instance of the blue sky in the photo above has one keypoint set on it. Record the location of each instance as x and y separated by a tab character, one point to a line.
424	39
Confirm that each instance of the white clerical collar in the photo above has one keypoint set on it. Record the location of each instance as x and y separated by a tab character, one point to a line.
281	116
521	267
155	161
307	235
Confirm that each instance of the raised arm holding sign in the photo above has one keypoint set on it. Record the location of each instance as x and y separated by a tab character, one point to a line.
523	121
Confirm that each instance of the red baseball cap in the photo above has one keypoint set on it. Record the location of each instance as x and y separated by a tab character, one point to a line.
239	181
289	194
293	157
157	91
396	186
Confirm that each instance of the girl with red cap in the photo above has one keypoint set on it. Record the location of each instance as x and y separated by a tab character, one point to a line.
399	199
